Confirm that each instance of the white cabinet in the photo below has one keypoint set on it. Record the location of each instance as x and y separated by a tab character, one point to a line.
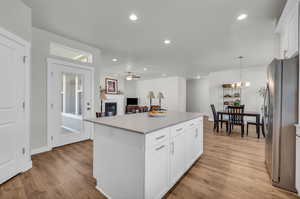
201	143
197	143
158	170
298	164
144	166
284	44
292	29
288	30
194	144
177	158
170	153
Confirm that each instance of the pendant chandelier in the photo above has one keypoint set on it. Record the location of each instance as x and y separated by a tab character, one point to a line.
241	84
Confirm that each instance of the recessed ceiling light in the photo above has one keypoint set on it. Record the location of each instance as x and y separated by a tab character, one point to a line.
164	75
198	77
242	17
167	41
133	17
114	59
145	69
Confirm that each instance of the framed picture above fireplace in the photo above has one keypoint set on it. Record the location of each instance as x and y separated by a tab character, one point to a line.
111	86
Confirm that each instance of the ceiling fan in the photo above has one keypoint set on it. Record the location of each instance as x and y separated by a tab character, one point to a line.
131	76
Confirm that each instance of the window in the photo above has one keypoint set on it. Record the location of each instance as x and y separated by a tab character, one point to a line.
70	53
71	94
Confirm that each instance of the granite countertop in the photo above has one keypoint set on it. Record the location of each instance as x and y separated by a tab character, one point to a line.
142	123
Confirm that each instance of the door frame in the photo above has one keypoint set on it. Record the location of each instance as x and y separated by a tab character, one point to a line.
51	61
26	162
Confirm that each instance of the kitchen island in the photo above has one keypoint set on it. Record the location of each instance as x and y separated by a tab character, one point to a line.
142	157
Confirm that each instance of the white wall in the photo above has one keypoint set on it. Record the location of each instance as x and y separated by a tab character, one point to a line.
182	94
173	89
40	52
15	17
198	96
130	88
202	93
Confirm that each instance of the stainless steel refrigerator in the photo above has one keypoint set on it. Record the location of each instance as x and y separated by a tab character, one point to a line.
280	117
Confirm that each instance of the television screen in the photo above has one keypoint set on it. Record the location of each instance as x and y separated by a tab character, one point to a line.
132	101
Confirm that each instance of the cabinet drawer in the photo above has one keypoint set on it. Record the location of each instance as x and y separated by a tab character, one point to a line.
178	129
157	137
193	123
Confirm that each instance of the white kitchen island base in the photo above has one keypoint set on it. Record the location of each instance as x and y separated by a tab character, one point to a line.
145	165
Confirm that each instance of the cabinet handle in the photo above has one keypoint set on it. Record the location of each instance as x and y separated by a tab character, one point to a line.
160	137
172	144
196	135
179	129
159	148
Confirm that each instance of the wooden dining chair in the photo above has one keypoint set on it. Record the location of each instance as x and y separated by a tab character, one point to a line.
236	118
261	125
217	119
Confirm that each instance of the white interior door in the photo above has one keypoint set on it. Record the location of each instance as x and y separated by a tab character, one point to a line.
70	100
12	110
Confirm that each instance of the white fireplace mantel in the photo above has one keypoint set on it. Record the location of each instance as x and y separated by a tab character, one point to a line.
119	99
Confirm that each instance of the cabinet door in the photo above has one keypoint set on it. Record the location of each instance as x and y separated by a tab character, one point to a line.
293	34
191	146
194	145
158	171
284	44
177	159
298	164
200	139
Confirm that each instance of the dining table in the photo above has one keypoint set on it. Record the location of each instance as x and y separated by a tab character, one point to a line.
256	115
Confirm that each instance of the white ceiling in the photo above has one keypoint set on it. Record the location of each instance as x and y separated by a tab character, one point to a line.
205	34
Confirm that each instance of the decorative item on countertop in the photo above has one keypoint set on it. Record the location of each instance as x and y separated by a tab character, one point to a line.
151	96
160	96
111	86
155	113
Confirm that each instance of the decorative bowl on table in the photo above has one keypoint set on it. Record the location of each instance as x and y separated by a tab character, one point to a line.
157	114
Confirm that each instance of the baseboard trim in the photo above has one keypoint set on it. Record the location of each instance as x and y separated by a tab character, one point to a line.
27	166
101	191
40	150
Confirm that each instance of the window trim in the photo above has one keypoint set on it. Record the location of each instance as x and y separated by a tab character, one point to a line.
81	53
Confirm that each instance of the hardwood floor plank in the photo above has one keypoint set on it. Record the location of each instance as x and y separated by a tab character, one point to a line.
230	168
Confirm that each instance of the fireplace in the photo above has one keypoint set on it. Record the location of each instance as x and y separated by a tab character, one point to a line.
110	109
114	105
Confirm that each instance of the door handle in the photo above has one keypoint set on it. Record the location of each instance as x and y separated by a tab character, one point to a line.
159	148
179	129
160	137
172	148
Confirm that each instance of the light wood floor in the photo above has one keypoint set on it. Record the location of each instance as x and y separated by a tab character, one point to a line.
231	168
